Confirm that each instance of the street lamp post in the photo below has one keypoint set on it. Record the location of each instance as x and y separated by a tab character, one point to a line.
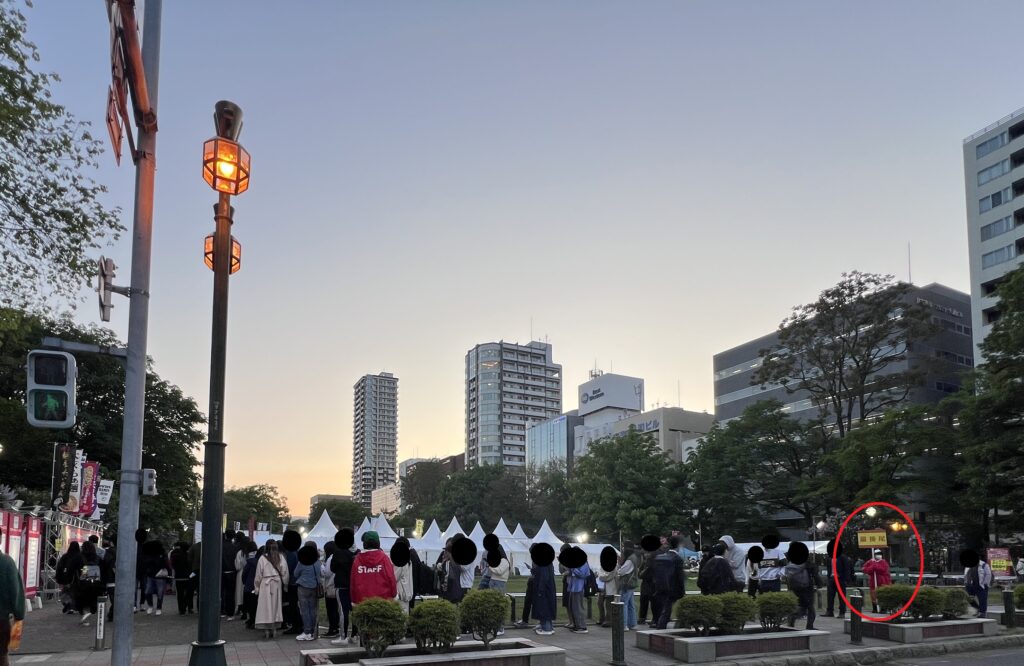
226	170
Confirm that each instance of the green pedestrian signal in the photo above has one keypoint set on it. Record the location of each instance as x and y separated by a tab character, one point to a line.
52	378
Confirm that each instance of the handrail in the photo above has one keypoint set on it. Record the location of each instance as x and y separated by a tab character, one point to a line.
989	128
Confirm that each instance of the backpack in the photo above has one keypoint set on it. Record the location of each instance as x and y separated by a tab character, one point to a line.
799	579
91	573
590	585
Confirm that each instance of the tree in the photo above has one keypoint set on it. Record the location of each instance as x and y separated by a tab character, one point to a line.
344	513
486	494
170	430
548	492
51	214
261	501
421	487
625	483
844	348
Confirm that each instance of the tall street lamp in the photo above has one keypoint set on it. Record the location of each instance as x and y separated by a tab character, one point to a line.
226	170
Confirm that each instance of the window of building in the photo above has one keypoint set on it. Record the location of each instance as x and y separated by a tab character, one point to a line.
946	387
994	200
996	257
995	171
997	228
986	147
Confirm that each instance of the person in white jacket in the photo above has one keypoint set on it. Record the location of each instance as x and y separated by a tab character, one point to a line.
500	567
609	577
401	559
737	561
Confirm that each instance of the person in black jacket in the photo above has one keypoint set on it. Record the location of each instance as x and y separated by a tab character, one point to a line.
716	575
181	569
341	567
229	575
844	569
92	581
669	582
69	566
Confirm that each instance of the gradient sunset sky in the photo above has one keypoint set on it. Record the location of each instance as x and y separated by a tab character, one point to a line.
649	182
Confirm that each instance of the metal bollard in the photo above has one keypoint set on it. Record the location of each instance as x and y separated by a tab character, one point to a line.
512	609
1009	610
618	634
856	623
590	608
101	622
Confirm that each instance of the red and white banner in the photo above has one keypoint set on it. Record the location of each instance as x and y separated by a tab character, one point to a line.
90	479
15	523
33	548
3	531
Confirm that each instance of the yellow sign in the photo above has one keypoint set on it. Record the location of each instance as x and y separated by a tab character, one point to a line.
872	539
419	528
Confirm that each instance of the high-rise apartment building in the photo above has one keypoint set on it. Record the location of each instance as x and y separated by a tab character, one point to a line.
509	387
994	180
374	435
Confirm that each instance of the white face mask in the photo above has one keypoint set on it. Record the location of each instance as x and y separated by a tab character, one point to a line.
878	557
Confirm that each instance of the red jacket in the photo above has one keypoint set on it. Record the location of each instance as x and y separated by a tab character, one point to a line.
373	576
877	572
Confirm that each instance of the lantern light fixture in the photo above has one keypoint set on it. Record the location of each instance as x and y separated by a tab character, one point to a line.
236	254
226	166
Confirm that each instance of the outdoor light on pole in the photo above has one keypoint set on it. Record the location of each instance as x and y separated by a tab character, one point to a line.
226	170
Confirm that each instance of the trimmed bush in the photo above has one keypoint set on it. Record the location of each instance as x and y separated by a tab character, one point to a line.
1018	597
956	604
483	612
737	609
774	608
434	624
928	602
381	623
699	613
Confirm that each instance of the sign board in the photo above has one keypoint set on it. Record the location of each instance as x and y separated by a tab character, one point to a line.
63	471
872	539
608	390
14	529
106	489
1000	561
32	548
419	529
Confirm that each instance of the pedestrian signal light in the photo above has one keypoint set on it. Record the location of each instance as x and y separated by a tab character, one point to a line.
52	377
149	482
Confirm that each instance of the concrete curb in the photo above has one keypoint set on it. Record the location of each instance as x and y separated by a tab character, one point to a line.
881	655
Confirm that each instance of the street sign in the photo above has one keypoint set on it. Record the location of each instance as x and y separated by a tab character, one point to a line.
114	128
118	119
872	539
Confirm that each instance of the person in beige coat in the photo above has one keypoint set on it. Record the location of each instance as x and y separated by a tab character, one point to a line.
271	581
608	574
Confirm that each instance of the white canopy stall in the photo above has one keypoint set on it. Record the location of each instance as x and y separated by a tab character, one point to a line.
323	531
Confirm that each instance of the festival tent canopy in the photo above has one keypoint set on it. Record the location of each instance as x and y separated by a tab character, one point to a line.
819	547
477	535
545	535
501	530
383	528
518	533
364	527
433	532
323	531
453	529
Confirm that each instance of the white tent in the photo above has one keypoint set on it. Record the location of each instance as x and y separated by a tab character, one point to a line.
518	533
545	535
593	551
364	527
477	536
819	547
323	531
453	529
383	528
501	530
433	532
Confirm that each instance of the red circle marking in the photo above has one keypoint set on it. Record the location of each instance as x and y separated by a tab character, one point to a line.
920	552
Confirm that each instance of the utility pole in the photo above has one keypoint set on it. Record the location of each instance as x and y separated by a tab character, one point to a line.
145	85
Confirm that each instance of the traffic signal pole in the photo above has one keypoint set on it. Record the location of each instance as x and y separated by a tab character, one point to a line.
135	365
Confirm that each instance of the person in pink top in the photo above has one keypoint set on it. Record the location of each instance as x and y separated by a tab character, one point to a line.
877	571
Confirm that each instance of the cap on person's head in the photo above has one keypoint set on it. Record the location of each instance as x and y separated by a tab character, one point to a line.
371	539
876	552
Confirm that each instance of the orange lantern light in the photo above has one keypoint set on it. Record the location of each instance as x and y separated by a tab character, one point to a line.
236	254
226	166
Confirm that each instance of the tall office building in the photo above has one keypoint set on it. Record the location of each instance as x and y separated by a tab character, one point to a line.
509	387
946	355
552	441
374	435
995	214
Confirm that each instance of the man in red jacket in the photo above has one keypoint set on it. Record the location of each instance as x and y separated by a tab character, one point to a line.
372	573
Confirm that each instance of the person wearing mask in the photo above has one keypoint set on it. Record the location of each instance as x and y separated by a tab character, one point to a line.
545	602
68	568
157	570
92	581
330	591
736	559
373	576
308	580
269	583
341	567
802	578
12	602
249	584
717	577
669	581
627	575
182	570
877	571
977	579
842	577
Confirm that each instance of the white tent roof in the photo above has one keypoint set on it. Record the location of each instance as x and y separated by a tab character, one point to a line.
477	535
383	528
501	530
518	533
820	546
453	529
545	535
324	528
433	532
362	529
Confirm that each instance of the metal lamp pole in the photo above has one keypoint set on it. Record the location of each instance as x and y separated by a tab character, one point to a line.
208	650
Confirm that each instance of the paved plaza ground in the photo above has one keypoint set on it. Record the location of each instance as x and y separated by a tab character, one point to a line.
54	639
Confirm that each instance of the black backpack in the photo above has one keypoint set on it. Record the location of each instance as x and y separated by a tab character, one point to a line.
590	586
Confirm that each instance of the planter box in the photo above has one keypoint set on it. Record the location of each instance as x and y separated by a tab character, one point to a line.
685	645
503	652
922	632
1018	618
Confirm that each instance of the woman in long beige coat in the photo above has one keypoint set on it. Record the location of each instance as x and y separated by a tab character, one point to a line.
271	580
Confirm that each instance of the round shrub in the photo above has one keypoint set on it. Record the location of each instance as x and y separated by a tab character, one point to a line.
774	608
381	623
737	610
1018	597
956	603
929	601
434	624
699	613
891	598
483	611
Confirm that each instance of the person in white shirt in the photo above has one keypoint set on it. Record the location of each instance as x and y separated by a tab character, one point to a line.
977	579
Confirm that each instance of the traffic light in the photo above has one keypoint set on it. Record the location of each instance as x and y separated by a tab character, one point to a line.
52	377
149	482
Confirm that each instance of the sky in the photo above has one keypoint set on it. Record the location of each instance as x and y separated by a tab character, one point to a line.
641	184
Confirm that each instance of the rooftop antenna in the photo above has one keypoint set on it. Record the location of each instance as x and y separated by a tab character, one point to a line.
910	275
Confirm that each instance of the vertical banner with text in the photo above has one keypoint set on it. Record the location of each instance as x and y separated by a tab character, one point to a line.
63	473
